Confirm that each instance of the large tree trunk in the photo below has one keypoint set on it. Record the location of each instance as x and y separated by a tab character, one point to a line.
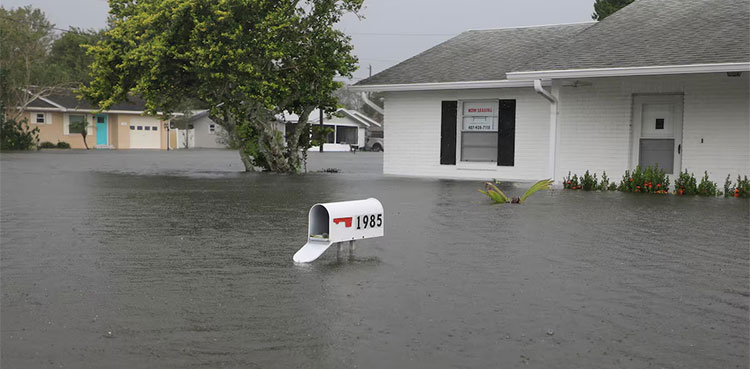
249	167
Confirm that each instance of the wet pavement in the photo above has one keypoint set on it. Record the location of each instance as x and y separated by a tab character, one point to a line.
177	260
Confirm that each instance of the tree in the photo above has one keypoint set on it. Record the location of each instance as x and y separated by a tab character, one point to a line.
68	54
25	40
80	126
605	8
246	59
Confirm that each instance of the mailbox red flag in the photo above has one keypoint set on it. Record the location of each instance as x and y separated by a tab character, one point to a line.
347	221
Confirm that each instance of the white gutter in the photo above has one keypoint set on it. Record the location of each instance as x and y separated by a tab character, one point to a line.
463	85
552	126
371	104
630	71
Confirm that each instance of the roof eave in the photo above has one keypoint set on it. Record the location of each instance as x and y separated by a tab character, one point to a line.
630	71
462	85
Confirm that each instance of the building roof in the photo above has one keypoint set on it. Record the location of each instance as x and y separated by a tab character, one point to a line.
657	33
67	99
477	55
315	117
651	34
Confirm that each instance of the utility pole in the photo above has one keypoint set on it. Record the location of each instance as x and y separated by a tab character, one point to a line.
370	70
322	140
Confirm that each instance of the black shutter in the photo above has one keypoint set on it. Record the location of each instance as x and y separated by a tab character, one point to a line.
448	132
506	133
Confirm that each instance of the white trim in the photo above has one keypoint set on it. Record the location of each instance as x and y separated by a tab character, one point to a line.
631	71
47	117
48	101
464	85
66	124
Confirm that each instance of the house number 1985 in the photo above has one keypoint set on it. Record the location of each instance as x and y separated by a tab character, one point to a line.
369	221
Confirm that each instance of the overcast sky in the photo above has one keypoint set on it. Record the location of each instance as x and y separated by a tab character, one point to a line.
391	31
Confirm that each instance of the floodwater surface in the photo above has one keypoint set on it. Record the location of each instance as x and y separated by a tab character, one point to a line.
148	259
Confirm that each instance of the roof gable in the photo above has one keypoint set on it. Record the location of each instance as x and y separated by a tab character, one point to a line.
477	55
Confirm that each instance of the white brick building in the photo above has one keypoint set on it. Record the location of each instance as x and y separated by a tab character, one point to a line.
659	82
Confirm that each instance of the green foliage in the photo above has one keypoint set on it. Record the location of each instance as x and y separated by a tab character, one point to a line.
25	39
649	180
79	126
685	184
605	8
493	192
543	184
706	187
741	189
62	145
68	54
571	183
46	145
605	185
588	182
320	135
246	59
16	135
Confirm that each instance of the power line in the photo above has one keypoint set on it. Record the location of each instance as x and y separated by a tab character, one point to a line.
403	34
25	22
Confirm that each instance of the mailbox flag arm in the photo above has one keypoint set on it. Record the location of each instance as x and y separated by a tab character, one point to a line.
311	251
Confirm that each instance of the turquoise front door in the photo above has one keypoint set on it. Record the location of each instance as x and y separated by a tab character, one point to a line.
101	129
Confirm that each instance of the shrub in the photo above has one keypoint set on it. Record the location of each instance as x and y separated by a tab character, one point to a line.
17	135
728	186
685	184
63	145
706	187
649	180
46	145
743	188
604	184
571	183
588	182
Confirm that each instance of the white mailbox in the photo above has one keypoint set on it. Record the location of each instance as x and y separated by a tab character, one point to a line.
336	222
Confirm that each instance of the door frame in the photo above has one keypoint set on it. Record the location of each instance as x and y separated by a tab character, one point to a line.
106	125
636	125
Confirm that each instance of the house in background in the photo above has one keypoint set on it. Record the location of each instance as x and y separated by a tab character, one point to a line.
199	131
660	82
350	128
121	127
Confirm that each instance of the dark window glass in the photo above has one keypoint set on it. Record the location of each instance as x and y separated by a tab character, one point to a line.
659	123
100	119
140	128
73	119
154	128
132	128
148	128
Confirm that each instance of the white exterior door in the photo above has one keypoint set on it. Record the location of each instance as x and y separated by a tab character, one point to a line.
657	132
145	133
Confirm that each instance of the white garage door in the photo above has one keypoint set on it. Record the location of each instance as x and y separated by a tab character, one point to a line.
145	134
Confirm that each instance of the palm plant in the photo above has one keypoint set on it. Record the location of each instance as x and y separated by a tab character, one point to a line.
494	193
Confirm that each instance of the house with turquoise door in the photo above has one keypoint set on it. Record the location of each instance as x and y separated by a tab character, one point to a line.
123	126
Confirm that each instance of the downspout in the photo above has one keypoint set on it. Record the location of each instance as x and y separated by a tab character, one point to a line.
552	126
371	104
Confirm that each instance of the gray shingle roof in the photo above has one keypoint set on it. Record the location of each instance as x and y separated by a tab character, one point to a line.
69	100
481	55
657	33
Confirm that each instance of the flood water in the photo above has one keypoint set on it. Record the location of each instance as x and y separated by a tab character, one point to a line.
176	260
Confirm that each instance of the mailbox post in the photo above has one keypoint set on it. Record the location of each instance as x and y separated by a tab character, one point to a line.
337	222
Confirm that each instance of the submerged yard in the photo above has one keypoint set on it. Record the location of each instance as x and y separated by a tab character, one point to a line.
147	259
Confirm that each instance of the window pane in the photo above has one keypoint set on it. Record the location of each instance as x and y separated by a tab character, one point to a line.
346	135
657	152
479	146
73	119
148	128
40	118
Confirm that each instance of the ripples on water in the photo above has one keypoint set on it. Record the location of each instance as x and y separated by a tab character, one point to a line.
193	269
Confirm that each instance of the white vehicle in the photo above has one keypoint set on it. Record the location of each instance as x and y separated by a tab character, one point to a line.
375	141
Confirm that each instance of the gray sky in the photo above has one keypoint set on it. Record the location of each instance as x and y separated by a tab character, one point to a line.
391	31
